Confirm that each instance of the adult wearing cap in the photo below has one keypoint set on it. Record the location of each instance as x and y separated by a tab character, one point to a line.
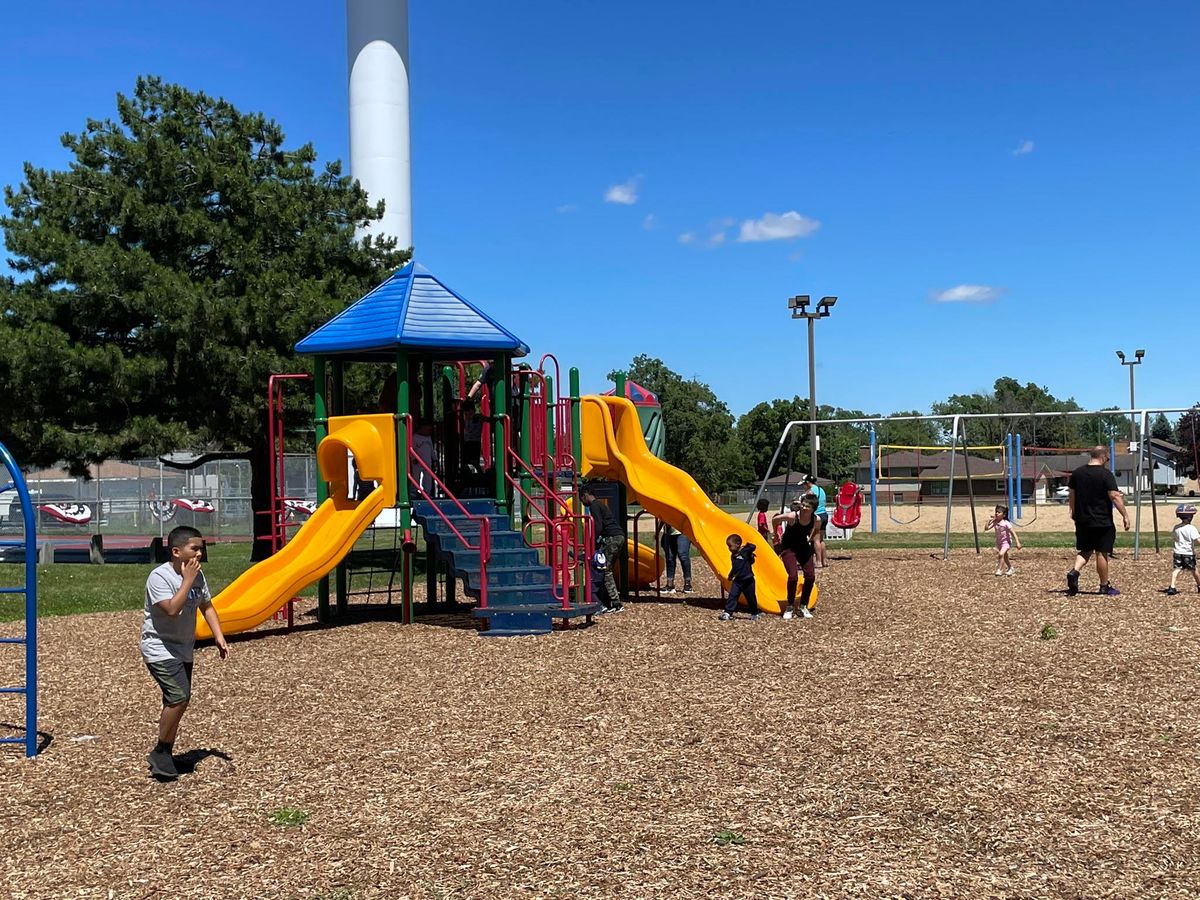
811	487
1091	497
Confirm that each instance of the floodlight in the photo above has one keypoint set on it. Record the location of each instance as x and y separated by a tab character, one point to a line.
1120	356
1139	353
827	302
798	302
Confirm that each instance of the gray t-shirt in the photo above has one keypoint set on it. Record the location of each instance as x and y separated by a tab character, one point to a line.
170	637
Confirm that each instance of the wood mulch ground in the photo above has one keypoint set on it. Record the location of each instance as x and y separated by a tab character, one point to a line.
919	737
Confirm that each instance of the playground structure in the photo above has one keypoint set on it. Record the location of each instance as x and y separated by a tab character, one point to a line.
1018	484
14	483
493	514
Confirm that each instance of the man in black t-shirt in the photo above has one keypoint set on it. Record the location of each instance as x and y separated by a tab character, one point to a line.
1093	494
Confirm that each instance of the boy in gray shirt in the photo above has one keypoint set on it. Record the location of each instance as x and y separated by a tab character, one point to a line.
174	593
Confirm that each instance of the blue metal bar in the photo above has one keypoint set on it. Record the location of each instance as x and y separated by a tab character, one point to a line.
15	740
12	690
1017	480
19	590
19	640
30	591
874	483
1112	454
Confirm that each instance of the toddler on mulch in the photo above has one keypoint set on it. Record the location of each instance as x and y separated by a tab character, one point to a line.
1006	539
741	578
1183	559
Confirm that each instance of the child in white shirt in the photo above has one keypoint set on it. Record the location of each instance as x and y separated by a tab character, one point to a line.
1183	559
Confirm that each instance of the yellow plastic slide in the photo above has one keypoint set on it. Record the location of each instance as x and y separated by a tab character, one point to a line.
328	534
614	448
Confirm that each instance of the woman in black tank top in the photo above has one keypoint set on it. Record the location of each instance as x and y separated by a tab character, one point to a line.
796	552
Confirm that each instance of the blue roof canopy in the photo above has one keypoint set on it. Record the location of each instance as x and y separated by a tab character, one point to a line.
412	310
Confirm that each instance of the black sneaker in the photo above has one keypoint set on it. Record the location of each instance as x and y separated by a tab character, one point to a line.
1072	583
1171	592
1107	590
687	588
162	765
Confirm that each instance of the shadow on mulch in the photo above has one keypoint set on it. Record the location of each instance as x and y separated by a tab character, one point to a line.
45	739
186	763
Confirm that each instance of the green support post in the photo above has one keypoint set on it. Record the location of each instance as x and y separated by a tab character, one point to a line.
337	407
576	431
499	449
526	451
320	432
403	499
620	384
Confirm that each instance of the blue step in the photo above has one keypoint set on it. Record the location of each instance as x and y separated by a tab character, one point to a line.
520	591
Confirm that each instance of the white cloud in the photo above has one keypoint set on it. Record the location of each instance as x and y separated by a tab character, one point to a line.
566	208
1023	148
688	237
777	227
625	193
968	293
650	222
715	240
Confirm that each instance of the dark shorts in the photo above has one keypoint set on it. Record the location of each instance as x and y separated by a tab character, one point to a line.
824	517
1184	561
1098	539
175	678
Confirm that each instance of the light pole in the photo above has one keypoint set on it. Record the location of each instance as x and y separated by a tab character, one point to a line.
1137	361
799	307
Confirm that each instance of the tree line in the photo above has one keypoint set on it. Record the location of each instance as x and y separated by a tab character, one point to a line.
723	452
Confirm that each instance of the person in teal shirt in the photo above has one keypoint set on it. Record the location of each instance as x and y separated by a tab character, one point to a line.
811	487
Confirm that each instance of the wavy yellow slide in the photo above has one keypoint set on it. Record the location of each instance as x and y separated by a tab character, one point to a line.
614	448
328	534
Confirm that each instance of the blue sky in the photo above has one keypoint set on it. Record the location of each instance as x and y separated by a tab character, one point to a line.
988	188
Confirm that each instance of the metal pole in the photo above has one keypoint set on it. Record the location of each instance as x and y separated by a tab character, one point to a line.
1146	455
950	486
1017	480
874	484
970	488
812	395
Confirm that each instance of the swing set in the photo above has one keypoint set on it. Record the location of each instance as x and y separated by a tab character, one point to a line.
885	458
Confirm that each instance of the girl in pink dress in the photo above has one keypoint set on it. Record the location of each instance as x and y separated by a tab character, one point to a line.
1006	539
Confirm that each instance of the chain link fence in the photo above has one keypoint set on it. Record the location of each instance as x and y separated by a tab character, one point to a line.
144	498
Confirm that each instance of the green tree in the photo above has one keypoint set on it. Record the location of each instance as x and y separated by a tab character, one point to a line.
1161	429
165	274
1187	433
1010	396
699	427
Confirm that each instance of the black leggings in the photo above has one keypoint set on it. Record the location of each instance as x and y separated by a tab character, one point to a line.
794	567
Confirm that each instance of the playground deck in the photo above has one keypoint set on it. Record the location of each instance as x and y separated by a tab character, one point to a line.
918	738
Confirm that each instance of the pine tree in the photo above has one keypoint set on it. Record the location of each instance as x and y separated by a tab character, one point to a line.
165	275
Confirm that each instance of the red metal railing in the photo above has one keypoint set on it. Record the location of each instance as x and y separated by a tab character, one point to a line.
564	443
568	537
538	452
278	534
637	563
485	526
